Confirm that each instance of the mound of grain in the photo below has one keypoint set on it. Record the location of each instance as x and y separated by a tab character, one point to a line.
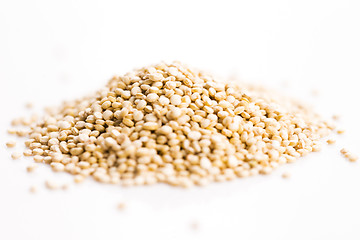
173	124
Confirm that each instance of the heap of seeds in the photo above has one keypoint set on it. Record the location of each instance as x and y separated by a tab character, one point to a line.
169	123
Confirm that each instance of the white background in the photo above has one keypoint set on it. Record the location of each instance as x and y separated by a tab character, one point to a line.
56	50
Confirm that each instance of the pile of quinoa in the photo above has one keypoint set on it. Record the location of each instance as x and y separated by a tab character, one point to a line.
173	124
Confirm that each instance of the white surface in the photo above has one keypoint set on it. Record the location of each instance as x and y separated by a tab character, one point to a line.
55	50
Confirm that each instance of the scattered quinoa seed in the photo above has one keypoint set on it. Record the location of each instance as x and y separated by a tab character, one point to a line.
335	117
344	151
12	131
16	155
29	105
286	175
33	189
331	141
352	157
31	168
340	131
315	93
11	144
52	185
121	206
79	179
194	226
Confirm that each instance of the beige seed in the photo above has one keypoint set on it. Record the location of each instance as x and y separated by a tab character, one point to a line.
33	189
335	117
125	94
38	151
156	76
266	170
107	115
64	125
232	161
84	165
166	130
27	152
11	144
106	104
76	151
340	131
52	185
29	105
286	175
175	100
173	71
31	168
79	178
344	151
175	113
150	126
57	167
194	226
152	97
205	163
65	186
352	157
11	131
164	101
38	159
110	141
128	122
194	135
141	105
16	155
170	85
138	116
121	206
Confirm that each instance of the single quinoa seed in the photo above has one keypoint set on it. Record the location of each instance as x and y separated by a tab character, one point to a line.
340	131
16	155
52	185
344	151
172	124
121	206
27	153
33	189
335	117
31	168
194	226
29	105
286	175
11	144
79	179
12	131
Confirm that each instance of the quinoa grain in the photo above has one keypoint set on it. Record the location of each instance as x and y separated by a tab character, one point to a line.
121	206
286	175
16	155
31	168
10	144
33	189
